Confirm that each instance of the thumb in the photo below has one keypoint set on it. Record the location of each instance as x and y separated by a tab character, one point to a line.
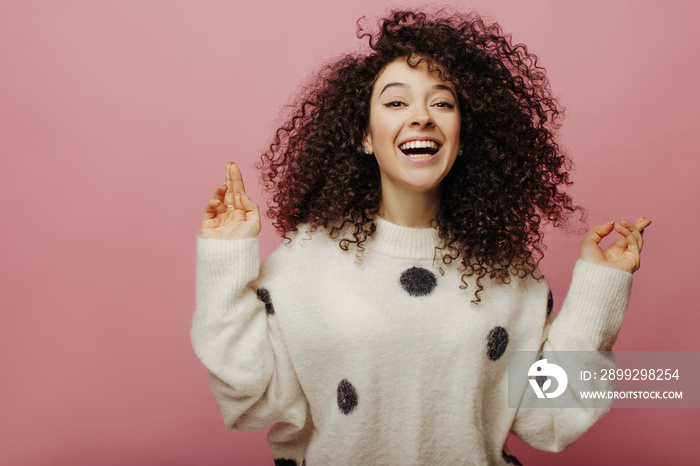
250	207
247	203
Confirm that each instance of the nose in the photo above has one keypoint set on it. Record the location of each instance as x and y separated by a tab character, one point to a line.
421	118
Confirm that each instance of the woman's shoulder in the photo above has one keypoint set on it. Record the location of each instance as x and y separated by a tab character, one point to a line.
304	248
306	238
522	285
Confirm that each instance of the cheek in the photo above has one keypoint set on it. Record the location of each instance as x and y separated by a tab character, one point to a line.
384	131
455	127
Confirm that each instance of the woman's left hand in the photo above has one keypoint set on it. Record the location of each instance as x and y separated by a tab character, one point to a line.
624	253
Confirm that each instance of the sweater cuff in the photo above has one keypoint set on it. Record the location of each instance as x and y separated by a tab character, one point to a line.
595	305
219	257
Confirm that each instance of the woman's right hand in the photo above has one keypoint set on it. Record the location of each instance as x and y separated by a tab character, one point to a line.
230	214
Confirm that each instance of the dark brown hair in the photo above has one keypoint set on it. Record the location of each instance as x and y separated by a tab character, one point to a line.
510	180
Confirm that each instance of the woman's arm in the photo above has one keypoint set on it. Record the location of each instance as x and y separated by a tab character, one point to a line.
251	374
588	323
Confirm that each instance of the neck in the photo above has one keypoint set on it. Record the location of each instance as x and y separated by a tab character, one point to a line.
409	208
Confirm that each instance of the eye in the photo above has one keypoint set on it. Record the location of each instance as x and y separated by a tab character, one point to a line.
444	104
394	104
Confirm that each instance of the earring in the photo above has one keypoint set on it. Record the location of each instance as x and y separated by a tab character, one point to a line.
460	152
367	151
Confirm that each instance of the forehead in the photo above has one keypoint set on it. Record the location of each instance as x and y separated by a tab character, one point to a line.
399	71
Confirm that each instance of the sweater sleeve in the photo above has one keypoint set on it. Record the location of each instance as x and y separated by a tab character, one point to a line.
587	324
250	371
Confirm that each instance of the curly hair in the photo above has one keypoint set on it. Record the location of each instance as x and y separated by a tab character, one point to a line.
510	180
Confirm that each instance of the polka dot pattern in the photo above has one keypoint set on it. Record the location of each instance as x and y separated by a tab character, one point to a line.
550	302
418	281
496	343
264	296
510	459
285	462
347	397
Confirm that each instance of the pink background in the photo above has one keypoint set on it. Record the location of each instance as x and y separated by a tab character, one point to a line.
116	121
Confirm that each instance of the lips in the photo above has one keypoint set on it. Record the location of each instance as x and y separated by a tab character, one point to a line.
417	149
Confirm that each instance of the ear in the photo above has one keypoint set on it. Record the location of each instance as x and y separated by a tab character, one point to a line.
367	144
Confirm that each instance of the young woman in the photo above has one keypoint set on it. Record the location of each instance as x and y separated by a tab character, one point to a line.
411	184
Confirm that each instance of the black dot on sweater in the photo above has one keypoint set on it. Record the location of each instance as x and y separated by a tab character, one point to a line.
550	303
510	459
347	397
496	343
285	462
264	296
418	281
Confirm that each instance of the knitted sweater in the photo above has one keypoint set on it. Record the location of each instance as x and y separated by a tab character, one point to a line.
386	360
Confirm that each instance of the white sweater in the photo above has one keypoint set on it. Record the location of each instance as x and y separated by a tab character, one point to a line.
386	361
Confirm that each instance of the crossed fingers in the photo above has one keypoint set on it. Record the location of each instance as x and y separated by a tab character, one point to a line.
625	250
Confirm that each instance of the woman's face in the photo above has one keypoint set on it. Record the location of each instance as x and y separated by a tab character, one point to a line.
414	127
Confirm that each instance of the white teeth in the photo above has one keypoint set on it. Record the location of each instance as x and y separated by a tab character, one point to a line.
418	145
432	145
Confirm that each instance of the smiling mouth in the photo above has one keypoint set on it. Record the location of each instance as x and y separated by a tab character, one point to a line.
419	149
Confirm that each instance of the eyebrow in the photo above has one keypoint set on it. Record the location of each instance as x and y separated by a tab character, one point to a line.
404	85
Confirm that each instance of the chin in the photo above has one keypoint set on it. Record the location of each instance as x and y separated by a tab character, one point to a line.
424	181
425	186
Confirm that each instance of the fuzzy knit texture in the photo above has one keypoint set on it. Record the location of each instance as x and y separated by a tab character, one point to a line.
386	361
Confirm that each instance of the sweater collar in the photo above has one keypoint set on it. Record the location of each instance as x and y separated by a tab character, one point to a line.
403	242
